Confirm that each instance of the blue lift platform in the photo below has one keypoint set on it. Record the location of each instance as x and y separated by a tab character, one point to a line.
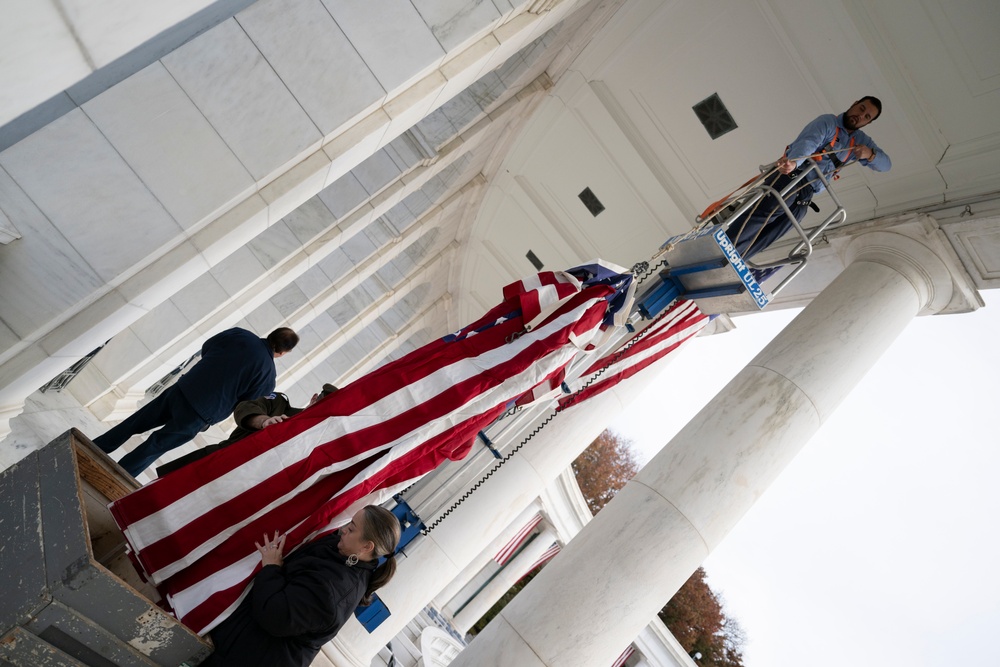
704	266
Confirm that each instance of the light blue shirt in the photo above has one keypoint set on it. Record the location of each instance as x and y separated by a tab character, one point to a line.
816	137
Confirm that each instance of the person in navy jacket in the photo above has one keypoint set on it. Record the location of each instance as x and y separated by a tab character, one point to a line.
251	416
838	140
235	366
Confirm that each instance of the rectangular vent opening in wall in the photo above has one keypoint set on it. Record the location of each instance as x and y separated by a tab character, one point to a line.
714	115
533	258
591	201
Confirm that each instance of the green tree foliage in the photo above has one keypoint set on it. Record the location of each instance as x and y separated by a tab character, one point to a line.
604	468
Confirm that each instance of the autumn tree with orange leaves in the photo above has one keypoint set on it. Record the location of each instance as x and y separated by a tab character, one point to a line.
604	468
696	618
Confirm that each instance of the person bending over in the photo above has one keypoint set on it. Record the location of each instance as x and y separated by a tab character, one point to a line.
250	416
235	366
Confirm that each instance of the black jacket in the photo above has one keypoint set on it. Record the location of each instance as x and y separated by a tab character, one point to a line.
292	610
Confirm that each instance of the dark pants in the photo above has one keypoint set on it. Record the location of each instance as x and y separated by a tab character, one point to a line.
769	222
179	463
170	410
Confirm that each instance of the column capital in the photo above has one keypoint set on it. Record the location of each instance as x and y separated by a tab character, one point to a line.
915	246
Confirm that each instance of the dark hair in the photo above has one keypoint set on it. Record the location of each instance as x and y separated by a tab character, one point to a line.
875	102
381	527
282	339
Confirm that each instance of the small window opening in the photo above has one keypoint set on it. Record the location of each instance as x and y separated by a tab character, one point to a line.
533	258
591	201
714	115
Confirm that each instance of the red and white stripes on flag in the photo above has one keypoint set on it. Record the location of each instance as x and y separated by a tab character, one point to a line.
626	654
515	542
665	335
193	531
546	556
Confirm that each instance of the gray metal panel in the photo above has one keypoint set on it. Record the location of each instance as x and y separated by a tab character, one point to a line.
694	250
66	541
22	577
85	640
703	249
20	648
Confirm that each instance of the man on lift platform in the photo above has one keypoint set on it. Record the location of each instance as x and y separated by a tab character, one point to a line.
832	141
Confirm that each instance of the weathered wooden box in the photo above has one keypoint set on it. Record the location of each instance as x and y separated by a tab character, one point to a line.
68	592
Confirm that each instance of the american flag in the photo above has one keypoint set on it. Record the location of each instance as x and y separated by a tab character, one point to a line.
666	334
193	531
546	556
626	654
515	542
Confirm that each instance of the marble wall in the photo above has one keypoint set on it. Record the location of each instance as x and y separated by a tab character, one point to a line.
47	46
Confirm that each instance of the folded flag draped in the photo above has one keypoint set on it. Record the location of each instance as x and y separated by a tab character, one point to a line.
192	532
681	322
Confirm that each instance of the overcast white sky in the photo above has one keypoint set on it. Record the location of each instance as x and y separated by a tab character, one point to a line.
878	545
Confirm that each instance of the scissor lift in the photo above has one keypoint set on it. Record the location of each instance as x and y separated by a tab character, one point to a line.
704	266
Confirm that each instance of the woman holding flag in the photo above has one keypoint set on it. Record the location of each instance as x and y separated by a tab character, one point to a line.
299	603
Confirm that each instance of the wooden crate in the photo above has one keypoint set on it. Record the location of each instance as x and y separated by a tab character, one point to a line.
70	595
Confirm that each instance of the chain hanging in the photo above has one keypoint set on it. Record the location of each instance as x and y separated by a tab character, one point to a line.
570	401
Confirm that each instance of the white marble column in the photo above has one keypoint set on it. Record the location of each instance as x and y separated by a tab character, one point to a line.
504	579
642	662
598	594
455	586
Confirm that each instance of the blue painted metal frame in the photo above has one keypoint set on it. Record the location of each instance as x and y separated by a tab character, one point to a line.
489	445
659	297
410	523
741	268
670	288
373	615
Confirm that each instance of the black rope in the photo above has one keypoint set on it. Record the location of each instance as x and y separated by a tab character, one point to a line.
643	270
570	401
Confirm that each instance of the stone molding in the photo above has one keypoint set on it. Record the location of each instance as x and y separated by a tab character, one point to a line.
917	248
977	243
